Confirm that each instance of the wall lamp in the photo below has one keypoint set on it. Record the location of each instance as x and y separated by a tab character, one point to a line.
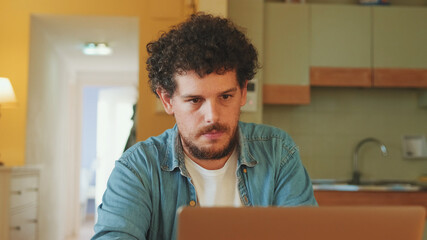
7	95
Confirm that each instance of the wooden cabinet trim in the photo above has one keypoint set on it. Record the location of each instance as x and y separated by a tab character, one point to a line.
340	77
368	198
392	77
286	94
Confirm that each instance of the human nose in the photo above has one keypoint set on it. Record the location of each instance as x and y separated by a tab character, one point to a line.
211	112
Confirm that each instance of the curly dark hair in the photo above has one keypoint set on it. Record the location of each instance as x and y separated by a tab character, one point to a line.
203	44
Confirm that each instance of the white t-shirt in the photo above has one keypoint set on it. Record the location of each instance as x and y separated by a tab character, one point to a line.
215	187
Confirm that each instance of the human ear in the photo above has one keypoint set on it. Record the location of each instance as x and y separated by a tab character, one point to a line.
166	100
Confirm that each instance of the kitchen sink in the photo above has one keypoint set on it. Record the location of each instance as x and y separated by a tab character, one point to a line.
377	185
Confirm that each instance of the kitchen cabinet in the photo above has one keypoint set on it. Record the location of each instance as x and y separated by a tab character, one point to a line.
19	203
340	45
371	198
217	8
359	46
400	47
286	54
249	15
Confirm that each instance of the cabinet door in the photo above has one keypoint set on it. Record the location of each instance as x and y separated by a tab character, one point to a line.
340	45
286	54
249	15
216	8
400	46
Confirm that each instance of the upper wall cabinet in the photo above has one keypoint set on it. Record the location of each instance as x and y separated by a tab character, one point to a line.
368	46
341	45
249	15
400	47
286	54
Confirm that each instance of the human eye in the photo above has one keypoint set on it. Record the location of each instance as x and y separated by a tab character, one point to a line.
194	100
226	96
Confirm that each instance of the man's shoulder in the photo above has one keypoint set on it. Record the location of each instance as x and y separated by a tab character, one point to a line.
260	139
266	137
255	131
151	149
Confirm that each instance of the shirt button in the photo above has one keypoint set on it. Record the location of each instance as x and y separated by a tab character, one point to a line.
192	203
244	170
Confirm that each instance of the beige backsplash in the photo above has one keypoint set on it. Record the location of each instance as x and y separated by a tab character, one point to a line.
328	130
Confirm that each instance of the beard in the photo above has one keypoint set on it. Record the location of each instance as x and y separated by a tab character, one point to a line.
205	153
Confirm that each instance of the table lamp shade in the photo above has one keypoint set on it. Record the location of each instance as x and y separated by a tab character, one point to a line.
7	94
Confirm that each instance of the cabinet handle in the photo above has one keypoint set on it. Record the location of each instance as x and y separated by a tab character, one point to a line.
16	192
32	189
17	228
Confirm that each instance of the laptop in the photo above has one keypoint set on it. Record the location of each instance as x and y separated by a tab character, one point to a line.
302	223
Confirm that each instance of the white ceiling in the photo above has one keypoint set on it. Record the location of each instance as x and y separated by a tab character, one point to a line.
68	34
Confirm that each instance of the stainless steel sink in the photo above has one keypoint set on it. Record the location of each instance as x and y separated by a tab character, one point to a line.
379	185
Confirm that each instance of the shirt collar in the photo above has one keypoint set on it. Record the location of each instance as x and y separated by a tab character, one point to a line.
174	156
245	156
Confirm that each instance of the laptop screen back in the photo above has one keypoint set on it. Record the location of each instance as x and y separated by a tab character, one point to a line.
302	223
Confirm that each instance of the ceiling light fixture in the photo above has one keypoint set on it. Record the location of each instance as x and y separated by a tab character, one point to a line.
97	48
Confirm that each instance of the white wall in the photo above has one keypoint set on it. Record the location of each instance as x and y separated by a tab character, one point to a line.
47	138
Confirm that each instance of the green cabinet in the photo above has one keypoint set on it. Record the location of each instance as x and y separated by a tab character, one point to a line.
341	45
368	46
400	46
400	37
286	53
249	15
340	36
303	45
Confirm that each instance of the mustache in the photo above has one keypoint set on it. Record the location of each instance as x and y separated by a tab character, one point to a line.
212	127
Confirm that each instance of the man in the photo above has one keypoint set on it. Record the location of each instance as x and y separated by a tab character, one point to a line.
200	70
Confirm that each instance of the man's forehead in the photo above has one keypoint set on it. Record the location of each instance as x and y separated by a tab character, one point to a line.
191	83
195	74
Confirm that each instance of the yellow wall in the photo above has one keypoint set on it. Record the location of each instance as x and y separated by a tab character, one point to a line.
15	15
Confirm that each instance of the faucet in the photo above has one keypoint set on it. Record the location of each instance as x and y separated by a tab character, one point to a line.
356	172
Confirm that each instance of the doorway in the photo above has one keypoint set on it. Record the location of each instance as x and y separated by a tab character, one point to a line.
60	77
107	120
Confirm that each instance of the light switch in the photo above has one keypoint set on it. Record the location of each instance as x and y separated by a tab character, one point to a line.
414	146
251	97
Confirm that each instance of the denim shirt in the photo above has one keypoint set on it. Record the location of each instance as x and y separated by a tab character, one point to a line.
150	182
